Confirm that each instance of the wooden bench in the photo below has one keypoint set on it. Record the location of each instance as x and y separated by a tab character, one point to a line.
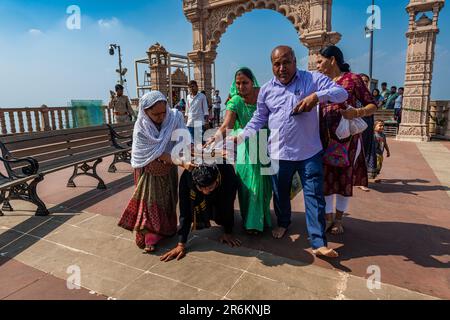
27	158
122	139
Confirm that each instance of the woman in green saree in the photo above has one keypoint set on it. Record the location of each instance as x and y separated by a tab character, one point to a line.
255	190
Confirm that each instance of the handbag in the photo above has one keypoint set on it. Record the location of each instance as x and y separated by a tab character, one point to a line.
336	153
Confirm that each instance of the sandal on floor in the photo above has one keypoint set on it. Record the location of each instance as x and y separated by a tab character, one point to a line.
325	252
328	225
337	228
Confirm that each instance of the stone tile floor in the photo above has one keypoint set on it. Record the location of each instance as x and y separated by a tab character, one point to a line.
402	226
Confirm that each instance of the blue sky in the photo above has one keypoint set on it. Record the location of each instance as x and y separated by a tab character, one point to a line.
44	62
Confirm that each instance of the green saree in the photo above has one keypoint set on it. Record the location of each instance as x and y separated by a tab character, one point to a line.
255	190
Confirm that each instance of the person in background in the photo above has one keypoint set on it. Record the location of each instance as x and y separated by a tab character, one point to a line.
384	93
398	105
197	111
381	145
377	96
217	102
339	180
390	102
181	105
368	140
121	106
207	193
365	79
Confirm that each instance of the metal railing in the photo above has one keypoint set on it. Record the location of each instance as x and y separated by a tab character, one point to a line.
33	119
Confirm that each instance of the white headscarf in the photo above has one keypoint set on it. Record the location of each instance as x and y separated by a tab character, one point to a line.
149	143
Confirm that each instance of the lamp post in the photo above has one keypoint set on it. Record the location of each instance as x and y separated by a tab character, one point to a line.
120	70
371	43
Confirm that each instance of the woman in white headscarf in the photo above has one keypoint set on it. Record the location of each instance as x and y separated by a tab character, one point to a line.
151	211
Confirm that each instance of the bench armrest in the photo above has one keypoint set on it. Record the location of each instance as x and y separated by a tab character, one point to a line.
115	136
29	170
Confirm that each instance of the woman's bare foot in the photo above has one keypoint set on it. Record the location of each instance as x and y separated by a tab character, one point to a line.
279	232
365	189
326	252
252	232
149	249
337	228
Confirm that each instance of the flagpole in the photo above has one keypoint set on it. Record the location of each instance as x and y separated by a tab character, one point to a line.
371	44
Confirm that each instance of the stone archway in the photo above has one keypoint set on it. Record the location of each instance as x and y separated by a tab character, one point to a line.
211	18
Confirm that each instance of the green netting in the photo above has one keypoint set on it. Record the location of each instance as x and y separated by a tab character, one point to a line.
87	113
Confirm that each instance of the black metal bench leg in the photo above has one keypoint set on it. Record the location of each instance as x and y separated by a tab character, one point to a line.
101	184
34	198
2	199
70	183
6	206
112	168
28	192
85	168
120	157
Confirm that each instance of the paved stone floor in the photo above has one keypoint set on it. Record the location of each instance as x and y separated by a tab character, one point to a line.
402	227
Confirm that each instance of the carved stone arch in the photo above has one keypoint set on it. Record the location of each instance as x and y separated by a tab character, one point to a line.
211	18
222	17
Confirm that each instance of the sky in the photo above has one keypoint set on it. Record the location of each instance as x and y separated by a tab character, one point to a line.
43	62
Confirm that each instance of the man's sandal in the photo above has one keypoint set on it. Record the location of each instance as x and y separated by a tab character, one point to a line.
325	252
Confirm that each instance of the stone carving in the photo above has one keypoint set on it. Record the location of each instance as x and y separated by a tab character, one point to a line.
210	19
222	17
421	42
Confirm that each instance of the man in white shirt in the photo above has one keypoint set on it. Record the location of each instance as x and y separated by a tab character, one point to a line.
196	110
216	107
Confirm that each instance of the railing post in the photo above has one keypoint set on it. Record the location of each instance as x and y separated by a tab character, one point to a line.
20	116
45	119
3	122
66	115
37	120
60	120
29	121
12	121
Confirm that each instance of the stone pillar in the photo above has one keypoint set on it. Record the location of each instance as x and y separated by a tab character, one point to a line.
159	68
202	56
203	69
319	32
421	37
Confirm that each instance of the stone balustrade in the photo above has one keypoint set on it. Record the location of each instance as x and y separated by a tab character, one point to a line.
32	119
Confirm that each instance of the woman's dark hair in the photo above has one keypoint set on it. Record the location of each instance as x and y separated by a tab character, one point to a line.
378	91
333	51
246	72
363	75
204	176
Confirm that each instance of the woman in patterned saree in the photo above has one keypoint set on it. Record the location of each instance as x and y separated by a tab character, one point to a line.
339	180
151	212
255	189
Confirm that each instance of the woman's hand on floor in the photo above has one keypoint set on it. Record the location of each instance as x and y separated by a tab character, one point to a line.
230	240
178	252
